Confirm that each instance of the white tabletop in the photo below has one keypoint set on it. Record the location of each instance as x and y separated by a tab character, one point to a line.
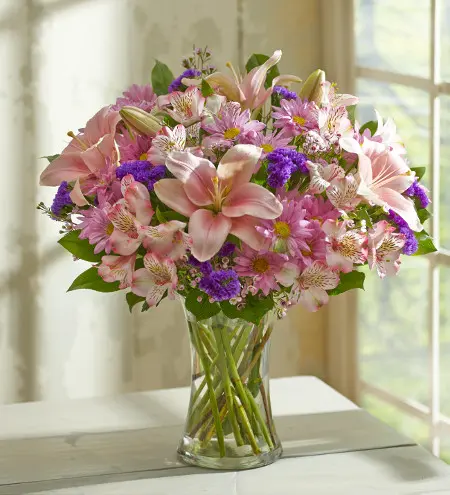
126	445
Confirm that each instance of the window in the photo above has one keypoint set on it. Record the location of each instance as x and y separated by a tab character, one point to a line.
402	52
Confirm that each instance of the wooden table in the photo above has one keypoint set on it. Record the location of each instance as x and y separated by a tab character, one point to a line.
125	445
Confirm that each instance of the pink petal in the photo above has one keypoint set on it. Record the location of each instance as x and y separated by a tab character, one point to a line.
103	122
208	231
245	229
225	85
252	199
402	206
137	197
313	298
171	193
365	169
77	196
122	244
238	164
287	275
94	159
67	167
196	174
142	282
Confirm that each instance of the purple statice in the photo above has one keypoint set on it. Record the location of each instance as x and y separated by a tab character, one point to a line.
226	250
411	243
142	171
61	199
204	266
417	191
284	93
221	285
176	84
283	162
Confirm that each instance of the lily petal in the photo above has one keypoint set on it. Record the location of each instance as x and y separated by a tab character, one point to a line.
208	232
245	229
171	193
68	167
77	196
238	163
252	199
225	85
402	206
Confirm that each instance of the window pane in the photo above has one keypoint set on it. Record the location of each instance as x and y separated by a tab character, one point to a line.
411	427
393	35
445	449
444	334
445	40
445	173
393	337
409	107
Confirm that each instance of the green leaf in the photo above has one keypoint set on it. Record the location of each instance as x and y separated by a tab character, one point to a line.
255	308
201	310
90	279
371	125
133	299
258	59
234	240
352	280
80	248
423	215
363	215
420	171
161	78
206	89
145	307
174	215
160	216
50	158
351	113
426	244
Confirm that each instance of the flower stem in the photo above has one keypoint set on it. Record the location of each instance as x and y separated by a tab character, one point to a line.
260	419
247	428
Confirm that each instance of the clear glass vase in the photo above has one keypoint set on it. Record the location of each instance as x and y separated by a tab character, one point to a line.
229	423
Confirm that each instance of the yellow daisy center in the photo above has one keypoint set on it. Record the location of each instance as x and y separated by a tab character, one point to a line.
299	120
282	229
109	229
143	156
267	148
231	133
260	265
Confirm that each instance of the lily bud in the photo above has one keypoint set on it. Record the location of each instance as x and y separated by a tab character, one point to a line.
312	89
140	120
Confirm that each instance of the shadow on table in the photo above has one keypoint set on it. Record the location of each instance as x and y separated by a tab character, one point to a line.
106	457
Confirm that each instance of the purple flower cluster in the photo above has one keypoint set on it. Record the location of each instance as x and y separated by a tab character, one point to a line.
284	93
176	84
61	199
417	191
221	285
204	266
283	162
226	250
142	171
411	243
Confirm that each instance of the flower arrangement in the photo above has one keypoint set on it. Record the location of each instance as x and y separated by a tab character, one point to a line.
237	193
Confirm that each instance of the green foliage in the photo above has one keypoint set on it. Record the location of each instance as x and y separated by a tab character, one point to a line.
80	248
160	215
206	89
423	214
372	125
161	78
133	299
351	109
50	158
90	279
258	59
201	310
348	281
261	176
420	171
426	245
255	308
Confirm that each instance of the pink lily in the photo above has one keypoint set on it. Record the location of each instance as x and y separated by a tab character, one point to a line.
158	276
186	108
128	215
345	247
385	249
117	268
167	239
218	201
87	153
383	177
249	90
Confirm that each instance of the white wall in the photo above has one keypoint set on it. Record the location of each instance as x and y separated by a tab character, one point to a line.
61	60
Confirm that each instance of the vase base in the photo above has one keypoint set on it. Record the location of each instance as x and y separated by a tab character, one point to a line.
233	463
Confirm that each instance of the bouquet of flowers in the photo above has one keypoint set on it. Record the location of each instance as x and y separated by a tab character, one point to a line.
242	197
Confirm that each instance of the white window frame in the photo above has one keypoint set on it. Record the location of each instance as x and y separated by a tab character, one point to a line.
338	56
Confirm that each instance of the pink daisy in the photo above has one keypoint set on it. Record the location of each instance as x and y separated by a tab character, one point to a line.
269	141
316	246
97	227
296	116
104	184
262	267
290	232
133	148
319	208
231	126
137	96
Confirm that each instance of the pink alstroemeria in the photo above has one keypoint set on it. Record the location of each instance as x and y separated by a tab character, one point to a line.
322	175
186	108
128	215
345	247
86	154
384	249
342	193
117	268
249	90
165	142
167	239
158	276
218	201
311	284
383	178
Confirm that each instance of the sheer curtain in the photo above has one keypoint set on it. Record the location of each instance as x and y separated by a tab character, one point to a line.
61	61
